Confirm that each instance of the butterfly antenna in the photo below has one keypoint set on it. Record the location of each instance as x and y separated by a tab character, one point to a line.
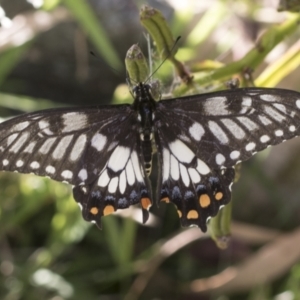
99	59
163	61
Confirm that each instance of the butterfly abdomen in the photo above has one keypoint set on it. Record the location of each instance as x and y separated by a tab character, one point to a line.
147	153
145	105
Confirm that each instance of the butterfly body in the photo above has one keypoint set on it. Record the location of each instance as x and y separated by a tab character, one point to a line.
145	105
105	152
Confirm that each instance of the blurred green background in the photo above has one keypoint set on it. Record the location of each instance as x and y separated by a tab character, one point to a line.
48	252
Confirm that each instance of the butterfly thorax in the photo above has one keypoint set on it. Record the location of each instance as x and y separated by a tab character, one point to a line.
144	105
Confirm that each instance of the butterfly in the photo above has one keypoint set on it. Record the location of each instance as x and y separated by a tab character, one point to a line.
106	152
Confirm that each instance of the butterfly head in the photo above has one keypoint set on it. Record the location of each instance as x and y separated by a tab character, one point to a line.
142	92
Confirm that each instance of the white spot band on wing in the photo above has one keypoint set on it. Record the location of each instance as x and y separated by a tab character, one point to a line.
218	132
98	141
74	121
196	131
181	151
119	158
216	106
78	147
61	147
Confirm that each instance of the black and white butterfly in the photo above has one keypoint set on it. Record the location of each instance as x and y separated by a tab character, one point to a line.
106	152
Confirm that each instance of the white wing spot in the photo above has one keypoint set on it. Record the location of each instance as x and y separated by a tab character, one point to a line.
78	147
45	148
280	107
44	126
174	168
292	114
11	138
184	175
19	143
268	98
122	182
274	114
235	154
249	124
5	162
216	106
298	103
250	146
130	173
119	158
112	187
61	147
218	132
98	141
264	120
136	166
30	147
103	179
181	151
19	163
50	169
202	167
195	177
20	126
196	131
247	101
111	146
166	164
83	174
67	174
74	121
246	104
220	159
184	138
264	138
279	132
236	130
292	128
34	165
48	131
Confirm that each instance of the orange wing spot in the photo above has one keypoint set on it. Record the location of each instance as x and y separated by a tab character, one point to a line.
165	199
179	213
94	210
146	203
108	209
219	195
204	200
192	214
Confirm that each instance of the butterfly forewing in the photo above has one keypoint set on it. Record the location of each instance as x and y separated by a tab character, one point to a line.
230	126
95	149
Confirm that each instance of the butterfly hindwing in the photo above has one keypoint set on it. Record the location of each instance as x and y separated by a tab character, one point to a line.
120	184
187	181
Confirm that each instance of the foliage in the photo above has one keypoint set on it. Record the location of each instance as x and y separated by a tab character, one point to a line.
48	252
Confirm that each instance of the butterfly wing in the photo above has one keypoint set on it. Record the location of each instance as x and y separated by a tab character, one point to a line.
200	138
95	149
